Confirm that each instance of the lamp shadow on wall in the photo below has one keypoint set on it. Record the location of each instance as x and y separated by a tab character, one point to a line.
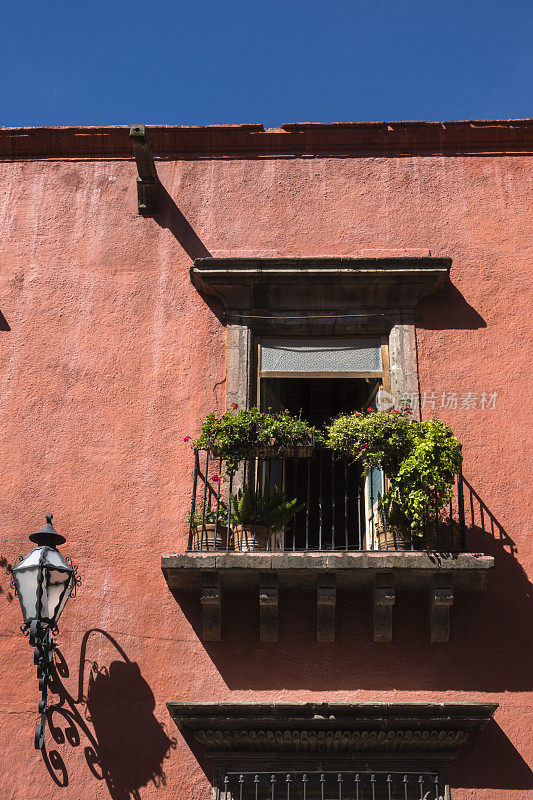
125	745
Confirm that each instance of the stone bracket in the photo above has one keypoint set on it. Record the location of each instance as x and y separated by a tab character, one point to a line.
326	597
441	600
384	599
268	607
147	181
211	607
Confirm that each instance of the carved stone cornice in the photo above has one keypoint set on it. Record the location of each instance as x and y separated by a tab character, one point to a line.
333	743
251	289
331	729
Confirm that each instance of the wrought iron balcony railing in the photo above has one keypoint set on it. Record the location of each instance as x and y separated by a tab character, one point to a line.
330	785
337	508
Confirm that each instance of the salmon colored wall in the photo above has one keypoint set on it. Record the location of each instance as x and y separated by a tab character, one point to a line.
109	357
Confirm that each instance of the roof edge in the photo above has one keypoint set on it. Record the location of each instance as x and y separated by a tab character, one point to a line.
291	139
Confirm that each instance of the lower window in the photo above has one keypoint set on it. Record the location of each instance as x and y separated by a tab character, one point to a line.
327	784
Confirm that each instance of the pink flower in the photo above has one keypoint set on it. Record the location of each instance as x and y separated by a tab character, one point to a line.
394	411
370	408
186	438
215	478
234	406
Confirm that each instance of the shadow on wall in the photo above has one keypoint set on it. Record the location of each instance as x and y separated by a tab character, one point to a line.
169	216
490	761
488	651
451	312
4	324
114	713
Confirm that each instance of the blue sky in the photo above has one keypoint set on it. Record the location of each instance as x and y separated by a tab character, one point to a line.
95	63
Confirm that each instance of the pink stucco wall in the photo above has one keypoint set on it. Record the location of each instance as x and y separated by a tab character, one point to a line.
108	357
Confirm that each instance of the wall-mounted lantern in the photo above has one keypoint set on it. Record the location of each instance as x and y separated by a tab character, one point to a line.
43	581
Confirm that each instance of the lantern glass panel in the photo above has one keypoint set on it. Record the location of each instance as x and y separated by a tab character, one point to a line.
56	591
26	583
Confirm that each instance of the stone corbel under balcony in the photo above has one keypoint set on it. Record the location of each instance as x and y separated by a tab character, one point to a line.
210	575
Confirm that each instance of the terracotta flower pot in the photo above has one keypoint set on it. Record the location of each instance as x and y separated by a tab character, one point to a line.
398	537
207	540
251	538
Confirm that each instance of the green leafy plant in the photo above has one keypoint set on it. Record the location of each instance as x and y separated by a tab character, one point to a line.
420	460
272	508
424	481
210	516
233	434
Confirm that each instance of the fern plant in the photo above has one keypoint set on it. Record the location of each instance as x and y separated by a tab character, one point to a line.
272	509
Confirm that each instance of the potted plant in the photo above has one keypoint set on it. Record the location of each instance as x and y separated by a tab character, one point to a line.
256	516
247	433
420	460
209	528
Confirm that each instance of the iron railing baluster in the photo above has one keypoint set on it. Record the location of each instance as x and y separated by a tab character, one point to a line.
332	500
229	510
421	782
373	786
371	478
461	509
405	787
293	526
320	460
308	495
345	503
193	498
359	527
218	502
267	487
206	478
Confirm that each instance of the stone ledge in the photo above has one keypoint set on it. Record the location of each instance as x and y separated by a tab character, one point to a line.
183	571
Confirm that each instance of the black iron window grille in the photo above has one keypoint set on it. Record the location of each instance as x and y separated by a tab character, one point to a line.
338	508
330	785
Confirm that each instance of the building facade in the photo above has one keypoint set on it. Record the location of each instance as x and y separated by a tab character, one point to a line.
151	277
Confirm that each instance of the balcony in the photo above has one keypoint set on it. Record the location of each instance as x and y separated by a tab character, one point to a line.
337	508
337	536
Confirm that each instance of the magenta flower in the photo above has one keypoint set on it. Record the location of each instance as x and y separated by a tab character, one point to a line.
186	438
215	478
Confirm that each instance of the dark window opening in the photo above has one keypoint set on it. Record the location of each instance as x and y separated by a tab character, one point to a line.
337	519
